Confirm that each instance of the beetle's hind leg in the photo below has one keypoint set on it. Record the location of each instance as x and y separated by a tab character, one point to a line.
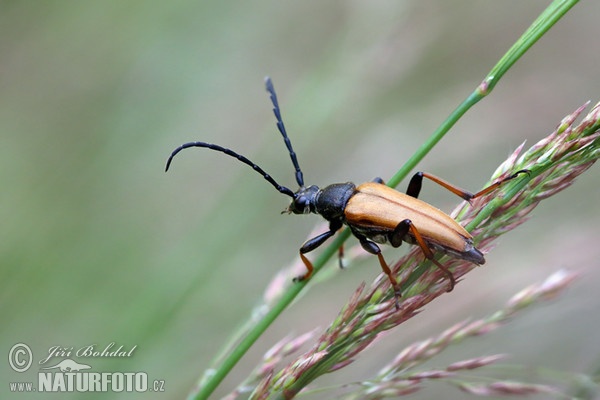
406	226
414	186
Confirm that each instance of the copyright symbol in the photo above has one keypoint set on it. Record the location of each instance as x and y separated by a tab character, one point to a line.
20	357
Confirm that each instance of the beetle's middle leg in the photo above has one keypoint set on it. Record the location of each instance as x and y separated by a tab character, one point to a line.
406	226
371	247
312	244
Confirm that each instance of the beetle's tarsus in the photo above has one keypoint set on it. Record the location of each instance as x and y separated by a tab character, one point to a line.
448	274
309	269
521	171
397	296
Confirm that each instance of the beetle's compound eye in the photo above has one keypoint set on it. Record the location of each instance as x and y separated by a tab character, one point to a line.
304	200
300	205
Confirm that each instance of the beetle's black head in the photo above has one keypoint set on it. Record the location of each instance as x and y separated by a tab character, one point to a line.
304	200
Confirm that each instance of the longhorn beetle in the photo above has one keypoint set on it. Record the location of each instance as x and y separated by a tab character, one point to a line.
375	213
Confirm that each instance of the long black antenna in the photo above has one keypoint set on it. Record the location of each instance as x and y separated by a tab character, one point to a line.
229	152
281	127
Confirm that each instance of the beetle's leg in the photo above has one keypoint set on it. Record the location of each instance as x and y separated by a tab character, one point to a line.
416	182
414	186
403	228
372	248
495	185
312	244
308	246
341	256
397	235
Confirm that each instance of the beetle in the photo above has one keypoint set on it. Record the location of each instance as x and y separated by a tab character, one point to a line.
375	213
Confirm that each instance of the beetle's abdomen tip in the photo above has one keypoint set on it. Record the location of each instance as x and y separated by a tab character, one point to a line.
472	254
476	256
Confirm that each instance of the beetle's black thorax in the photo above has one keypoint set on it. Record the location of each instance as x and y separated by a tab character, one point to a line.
331	201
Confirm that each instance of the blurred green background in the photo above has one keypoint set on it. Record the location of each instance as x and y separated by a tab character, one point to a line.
99	245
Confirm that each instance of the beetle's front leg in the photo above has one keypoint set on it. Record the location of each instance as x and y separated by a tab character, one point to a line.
312	244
